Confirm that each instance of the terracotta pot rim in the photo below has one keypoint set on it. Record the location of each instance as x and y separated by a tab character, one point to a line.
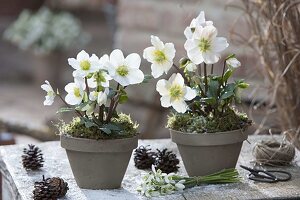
91	145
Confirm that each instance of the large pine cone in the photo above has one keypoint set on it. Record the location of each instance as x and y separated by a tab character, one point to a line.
50	189
32	158
143	157
166	161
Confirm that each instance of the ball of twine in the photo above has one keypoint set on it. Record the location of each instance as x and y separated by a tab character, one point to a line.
273	153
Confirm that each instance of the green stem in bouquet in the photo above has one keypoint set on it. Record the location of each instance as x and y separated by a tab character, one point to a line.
158	183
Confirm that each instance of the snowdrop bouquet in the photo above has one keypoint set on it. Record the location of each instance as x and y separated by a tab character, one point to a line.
98	87
202	100
157	183
45	31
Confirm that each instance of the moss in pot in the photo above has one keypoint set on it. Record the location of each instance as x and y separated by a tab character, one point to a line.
99	140
205	124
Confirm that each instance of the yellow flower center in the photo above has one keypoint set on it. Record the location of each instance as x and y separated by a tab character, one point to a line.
176	92
85	65
77	92
50	93
204	45
122	70
159	56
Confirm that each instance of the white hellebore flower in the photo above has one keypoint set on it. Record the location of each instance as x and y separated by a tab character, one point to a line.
191	67
84	64
50	93
233	63
205	46
75	92
125	70
196	22
174	93
160	55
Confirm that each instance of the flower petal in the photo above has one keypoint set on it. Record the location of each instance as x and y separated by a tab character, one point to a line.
73	63
178	80
170	51
211	57
165	101
156	42
156	70
116	57
133	60
219	44
189	93
135	76
82	55
179	106
162	86
72	100
148	54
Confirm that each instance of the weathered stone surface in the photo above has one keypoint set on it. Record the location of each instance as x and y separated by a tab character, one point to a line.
20	182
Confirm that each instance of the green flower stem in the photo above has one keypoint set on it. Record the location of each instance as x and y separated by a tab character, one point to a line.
205	78
212	69
224	176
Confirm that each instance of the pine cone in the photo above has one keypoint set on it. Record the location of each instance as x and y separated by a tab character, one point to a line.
32	158
50	189
166	161
143	157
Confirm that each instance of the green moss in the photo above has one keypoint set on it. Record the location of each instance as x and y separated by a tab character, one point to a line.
193	123
77	129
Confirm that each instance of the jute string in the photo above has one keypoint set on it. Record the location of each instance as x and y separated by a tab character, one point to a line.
273	153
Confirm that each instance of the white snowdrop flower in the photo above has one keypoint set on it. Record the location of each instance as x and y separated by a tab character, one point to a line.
50	93
205	46
75	92
191	67
84	64
125	71
102	78
233	63
196	22
174	93
102	97
160	55
179	185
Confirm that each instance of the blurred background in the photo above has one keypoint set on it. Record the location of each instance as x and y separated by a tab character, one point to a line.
38	36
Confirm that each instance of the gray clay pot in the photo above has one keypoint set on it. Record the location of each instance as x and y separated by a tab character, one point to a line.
207	153
98	164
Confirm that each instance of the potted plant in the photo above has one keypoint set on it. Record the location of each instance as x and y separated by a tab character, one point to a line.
47	33
206	127
100	140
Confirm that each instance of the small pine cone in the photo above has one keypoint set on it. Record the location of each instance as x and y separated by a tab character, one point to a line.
32	158
166	161
50	189
143	157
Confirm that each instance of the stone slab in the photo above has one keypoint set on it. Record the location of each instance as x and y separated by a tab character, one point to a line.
19	182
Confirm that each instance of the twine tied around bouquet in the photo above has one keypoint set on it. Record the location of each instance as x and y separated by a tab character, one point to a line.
273	153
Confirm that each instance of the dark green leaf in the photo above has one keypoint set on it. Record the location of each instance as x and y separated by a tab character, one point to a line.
106	130
213	87
112	127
